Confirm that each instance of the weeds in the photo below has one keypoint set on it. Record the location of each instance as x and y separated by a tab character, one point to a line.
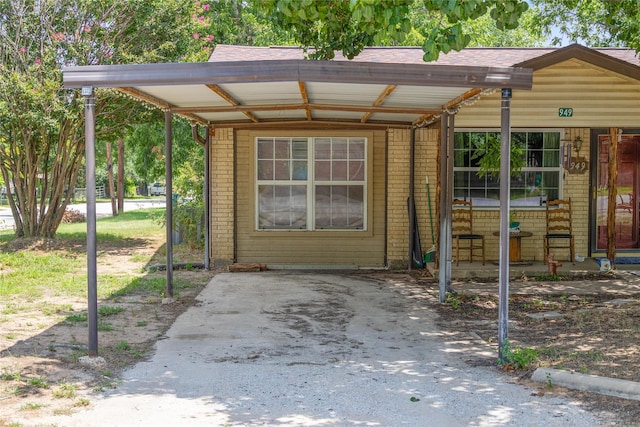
65	391
549	382
10	376
103	311
113	384
105	327
517	357
137	354
50	310
77	317
454	300
31	406
109	310
123	346
38	382
12	309
81	402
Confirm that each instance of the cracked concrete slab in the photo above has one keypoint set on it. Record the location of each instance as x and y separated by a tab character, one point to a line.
304	349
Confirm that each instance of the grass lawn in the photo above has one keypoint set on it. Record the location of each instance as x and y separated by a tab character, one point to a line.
32	268
43	311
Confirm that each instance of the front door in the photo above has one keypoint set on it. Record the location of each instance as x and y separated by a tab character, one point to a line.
627	220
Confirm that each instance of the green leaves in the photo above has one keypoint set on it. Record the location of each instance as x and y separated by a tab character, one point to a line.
488	150
42	125
507	13
323	27
594	23
517	358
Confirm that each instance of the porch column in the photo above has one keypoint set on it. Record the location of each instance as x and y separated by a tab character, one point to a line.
505	201
168	161
447	128
90	171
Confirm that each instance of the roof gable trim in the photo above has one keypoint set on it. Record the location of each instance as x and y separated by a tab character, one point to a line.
591	56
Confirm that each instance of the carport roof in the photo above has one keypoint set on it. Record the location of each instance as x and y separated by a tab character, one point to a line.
277	87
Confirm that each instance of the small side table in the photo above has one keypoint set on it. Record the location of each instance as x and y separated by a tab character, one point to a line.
515	246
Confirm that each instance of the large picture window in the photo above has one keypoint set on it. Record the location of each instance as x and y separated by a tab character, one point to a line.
538	181
311	183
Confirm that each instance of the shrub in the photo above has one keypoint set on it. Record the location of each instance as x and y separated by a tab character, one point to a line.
188	216
517	357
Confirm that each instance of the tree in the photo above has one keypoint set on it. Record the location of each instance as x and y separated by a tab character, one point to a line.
529	32
41	126
323	27
593	22
145	145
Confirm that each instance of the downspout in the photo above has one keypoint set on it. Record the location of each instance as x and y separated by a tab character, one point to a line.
168	158
207	199
410	204
386	200
206	144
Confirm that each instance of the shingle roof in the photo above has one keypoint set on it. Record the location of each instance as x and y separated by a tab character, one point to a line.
475	56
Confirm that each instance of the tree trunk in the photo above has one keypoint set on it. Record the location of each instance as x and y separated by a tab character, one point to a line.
112	195
40	170
613	194
121	175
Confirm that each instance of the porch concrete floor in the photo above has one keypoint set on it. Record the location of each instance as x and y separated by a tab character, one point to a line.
582	278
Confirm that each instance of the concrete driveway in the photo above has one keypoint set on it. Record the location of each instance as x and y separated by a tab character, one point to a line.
302	349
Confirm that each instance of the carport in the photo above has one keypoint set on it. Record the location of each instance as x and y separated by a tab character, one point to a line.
274	91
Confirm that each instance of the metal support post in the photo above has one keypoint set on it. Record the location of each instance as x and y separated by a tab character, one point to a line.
168	158
505	201
446	196
90	169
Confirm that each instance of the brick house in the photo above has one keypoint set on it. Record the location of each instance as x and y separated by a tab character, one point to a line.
317	172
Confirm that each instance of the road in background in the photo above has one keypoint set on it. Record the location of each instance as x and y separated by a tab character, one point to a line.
103	209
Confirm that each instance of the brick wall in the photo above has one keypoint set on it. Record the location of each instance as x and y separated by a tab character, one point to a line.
486	222
397	193
426	164
575	186
426	155
222	197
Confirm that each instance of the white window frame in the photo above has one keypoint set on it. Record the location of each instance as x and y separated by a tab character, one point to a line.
559	169
311	183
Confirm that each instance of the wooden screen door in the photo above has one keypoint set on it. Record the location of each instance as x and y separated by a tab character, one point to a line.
627	221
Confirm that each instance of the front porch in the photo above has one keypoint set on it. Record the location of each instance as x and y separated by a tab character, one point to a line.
532	270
